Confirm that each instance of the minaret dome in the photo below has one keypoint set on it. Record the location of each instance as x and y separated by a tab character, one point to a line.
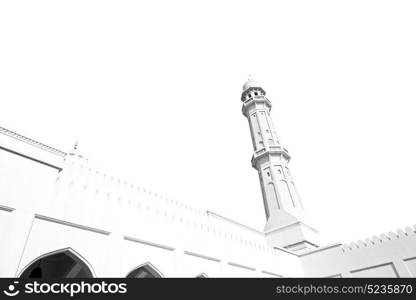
251	89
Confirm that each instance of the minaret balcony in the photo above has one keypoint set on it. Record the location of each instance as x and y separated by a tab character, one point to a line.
255	101
265	154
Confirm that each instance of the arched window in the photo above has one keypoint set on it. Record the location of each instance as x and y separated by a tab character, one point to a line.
145	271
63	264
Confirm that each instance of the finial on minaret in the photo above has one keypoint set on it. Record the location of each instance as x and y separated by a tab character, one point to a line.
75	150
250	83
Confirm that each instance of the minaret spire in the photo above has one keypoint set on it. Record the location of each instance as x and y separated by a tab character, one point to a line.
283	207
75	150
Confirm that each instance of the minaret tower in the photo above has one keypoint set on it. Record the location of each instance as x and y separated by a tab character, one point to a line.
283	207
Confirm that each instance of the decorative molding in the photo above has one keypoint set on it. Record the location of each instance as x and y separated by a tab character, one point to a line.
241	266
271	273
31	142
321	249
272	150
210	213
70	224
7	208
31	158
300	243
285	250
202	256
377	266
131	239
410	259
290	225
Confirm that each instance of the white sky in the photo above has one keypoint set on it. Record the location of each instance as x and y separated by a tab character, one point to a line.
152	91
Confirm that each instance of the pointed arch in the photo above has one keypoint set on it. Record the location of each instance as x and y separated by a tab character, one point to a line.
146	270
63	263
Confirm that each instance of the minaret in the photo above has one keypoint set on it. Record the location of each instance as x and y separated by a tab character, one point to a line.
282	204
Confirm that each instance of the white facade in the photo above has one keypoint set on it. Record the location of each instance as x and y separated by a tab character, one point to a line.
55	204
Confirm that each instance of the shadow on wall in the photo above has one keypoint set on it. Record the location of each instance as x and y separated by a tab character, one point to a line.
146	270
59	264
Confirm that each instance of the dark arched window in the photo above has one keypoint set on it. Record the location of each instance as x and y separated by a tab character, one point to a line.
145	271
63	264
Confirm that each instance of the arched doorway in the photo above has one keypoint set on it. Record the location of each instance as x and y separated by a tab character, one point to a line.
145	271
62	264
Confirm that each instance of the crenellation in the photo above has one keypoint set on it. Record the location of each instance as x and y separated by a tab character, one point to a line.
409	231
353	246
369	242
401	233
377	240
392	235
361	244
384	238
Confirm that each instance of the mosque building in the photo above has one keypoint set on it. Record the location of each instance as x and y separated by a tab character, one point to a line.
61	217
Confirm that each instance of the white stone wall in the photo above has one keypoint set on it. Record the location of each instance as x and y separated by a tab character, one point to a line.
115	226
391	255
